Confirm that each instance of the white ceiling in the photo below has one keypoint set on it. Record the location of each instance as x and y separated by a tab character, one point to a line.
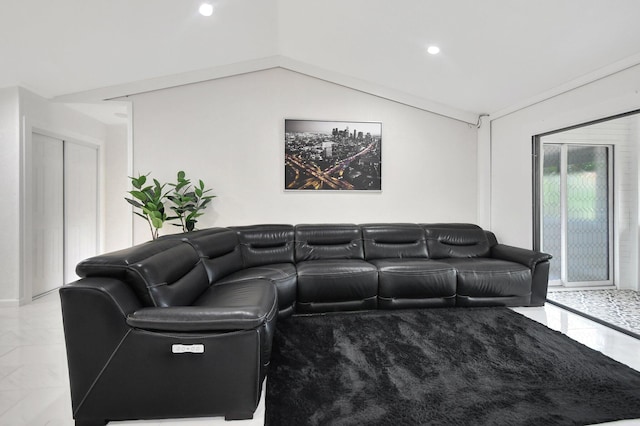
496	54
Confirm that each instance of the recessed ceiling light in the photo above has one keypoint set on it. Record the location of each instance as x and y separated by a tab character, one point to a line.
206	9
434	50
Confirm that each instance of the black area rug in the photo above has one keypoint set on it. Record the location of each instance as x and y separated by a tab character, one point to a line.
465	366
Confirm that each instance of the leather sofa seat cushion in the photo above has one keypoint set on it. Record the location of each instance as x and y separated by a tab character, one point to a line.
485	277
413	282
258	294
335	284
282	275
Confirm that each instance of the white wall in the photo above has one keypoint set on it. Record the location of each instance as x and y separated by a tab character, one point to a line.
230	133
117	213
10	211
511	138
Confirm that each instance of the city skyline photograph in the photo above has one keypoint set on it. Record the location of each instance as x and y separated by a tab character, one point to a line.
318	126
333	155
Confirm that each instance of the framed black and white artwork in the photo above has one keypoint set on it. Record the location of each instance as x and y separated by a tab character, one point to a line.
332	155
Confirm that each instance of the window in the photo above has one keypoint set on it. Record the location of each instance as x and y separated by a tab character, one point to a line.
576	212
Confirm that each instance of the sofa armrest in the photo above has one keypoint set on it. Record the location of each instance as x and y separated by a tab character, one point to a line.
118	372
112	291
94	312
197	318
528	258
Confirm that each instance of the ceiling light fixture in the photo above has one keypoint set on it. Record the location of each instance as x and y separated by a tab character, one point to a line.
434	50
206	9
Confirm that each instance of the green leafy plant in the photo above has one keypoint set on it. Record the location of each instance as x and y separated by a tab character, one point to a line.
150	200
188	201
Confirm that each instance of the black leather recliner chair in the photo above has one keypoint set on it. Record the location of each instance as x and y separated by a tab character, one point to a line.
148	337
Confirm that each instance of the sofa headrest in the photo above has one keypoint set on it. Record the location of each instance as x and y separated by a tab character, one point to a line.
266	244
328	241
393	240
219	249
456	240
162	273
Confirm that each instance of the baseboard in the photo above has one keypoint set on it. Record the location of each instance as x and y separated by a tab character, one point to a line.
14	303
581	288
40	296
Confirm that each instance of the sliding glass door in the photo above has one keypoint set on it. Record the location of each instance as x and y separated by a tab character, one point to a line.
576	212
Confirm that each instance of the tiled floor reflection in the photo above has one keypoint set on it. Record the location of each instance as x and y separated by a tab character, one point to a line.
34	388
614	344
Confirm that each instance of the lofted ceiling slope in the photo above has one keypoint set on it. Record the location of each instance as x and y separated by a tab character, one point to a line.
495	53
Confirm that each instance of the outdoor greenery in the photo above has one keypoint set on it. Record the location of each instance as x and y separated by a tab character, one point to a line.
185	199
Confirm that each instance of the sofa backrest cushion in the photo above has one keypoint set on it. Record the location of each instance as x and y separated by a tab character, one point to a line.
161	273
491	237
456	240
219	249
266	244
393	240
328	241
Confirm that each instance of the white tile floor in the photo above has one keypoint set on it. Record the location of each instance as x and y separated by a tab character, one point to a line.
34	387
620	307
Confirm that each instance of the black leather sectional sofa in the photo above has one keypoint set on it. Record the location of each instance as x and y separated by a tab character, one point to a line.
182	326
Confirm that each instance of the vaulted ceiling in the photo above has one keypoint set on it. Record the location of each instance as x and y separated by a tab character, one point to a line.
495	54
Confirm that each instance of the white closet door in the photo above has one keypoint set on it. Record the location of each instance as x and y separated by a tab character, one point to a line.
48	214
80	205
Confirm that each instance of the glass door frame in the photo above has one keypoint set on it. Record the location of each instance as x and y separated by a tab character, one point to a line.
538	162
